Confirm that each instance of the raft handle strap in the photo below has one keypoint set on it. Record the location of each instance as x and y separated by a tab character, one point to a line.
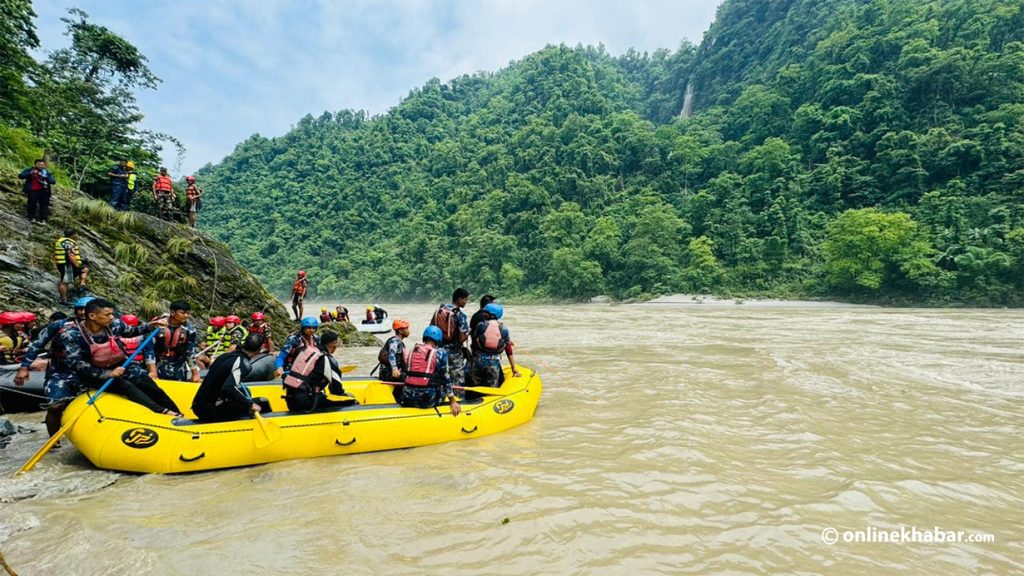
183	459
469	431
349	443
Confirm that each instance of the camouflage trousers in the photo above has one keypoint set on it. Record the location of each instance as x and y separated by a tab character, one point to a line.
457	368
165	203
61	387
487	371
168	370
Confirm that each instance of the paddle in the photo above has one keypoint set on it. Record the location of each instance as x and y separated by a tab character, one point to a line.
64	429
345	369
265	433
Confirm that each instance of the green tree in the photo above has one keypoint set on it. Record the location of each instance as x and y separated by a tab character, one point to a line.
867	249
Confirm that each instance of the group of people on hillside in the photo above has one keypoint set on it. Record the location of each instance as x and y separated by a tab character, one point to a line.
96	345
39	182
123	179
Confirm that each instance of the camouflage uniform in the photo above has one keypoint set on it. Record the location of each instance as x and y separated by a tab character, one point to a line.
456	353
61	384
487	366
165	203
291	348
135	384
437	392
392	355
176	364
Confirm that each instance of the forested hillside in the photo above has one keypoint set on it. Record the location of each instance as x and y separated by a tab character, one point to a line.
864	150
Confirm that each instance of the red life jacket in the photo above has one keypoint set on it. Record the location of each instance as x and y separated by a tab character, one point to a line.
422	365
131	344
263	329
326	317
172	340
489	339
444	319
299	287
107	354
163	184
305	362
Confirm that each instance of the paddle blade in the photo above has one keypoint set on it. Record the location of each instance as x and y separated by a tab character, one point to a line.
31	463
265	433
349	368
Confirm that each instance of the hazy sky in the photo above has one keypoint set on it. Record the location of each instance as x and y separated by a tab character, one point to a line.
232	68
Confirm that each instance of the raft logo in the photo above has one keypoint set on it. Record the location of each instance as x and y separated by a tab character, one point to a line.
139	438
504	406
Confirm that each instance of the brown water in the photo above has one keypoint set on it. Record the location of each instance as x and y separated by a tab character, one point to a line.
669	440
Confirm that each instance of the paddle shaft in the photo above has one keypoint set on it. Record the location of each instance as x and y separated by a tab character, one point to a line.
64	429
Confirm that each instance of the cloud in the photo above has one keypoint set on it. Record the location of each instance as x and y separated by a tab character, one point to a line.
232	68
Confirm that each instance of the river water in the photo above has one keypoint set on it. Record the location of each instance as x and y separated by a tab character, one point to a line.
669	440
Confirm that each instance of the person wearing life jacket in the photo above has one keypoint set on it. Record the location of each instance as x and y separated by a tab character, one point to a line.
234	333
299	293
391	360
222	396
314	371
451	320
340	314
213	343
490	340
173	353
296	342
427	383
94	353
163	195
259	325
479	316
14	340
370	318
193	199
130	185
325	316
131	343
71	267
38	188
60	384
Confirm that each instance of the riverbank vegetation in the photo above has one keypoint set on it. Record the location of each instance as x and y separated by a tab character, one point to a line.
857	150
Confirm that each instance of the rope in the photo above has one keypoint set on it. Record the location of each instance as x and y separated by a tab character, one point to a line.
561	376
24	392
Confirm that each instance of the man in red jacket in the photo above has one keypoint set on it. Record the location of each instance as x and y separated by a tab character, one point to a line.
163	194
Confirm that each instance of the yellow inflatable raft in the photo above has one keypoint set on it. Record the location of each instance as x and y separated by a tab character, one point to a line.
121	435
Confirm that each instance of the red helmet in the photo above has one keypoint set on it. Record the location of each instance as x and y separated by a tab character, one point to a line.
130	319
217	321
302	273
9	318
190	179
233	319
25	317
257	316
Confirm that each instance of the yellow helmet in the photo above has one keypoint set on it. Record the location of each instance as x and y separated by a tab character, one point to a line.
324	309
130	164
369	308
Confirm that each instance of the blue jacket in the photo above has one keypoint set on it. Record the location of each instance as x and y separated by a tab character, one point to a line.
48	179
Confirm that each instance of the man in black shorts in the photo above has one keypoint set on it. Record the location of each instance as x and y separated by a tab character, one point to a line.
70	264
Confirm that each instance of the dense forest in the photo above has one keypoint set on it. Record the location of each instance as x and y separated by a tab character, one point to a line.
871	151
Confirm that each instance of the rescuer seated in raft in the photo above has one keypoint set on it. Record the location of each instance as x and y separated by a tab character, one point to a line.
313	371
222	396
428	383
94	353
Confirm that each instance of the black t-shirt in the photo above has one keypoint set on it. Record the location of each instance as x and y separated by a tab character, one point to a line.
478	317
221	383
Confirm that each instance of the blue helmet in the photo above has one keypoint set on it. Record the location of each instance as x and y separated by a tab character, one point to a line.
310	322
495	309
84	301
433	333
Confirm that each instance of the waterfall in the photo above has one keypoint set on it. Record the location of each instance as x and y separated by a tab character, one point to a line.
687	101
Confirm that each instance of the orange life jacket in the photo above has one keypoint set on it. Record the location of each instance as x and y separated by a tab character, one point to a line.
422	365
163	184
299	287
444	319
